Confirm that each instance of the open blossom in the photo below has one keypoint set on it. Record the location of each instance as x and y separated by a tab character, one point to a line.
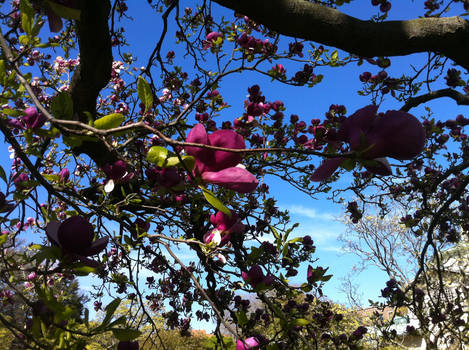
220	167
211	39
117	174
247	344
31	119
255	276
20	180
224	227
75	236
394	134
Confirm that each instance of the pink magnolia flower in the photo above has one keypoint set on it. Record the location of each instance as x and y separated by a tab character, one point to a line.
394	134
75	236
31	119
220	167
224	227
255	276
20	180
211	39
64	175
247	344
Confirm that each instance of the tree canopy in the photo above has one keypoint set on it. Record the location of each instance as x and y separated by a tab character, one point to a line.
119	163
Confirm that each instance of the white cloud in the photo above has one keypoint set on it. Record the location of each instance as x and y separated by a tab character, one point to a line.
310	213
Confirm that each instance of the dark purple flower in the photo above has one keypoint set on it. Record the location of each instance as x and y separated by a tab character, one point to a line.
4	204
75	236
127	345
255	276
32	119
395	134
117	174
141	225
20	180
164	177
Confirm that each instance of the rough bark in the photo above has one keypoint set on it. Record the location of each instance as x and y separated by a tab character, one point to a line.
94	70
301	19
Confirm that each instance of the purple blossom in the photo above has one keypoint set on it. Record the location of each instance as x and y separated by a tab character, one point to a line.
220	167
75	237
394	134
255	276
127	345
247	344
4	204
224	227
64	175
20	180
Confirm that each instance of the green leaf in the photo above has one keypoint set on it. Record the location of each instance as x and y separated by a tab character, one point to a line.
3	176
62	106
126	334
335	56
144	93
51	177
3	239
110	310
157	155
27	16
215	202
301	322
242	318
87	318
73	140
64	11
83	270
3	72
188	162
109	121
50	253
11	112
348	164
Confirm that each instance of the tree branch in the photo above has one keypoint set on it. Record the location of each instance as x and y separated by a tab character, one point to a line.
306	20
412	102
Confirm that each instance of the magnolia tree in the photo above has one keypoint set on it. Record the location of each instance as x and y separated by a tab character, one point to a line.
115	167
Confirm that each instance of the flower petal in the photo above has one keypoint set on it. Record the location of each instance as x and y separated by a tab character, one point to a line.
326	169
198	134
52	229
237	179
402	135
358	122
225	139
96	246
382	167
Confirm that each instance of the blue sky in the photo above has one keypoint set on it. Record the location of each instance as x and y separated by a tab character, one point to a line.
317	217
